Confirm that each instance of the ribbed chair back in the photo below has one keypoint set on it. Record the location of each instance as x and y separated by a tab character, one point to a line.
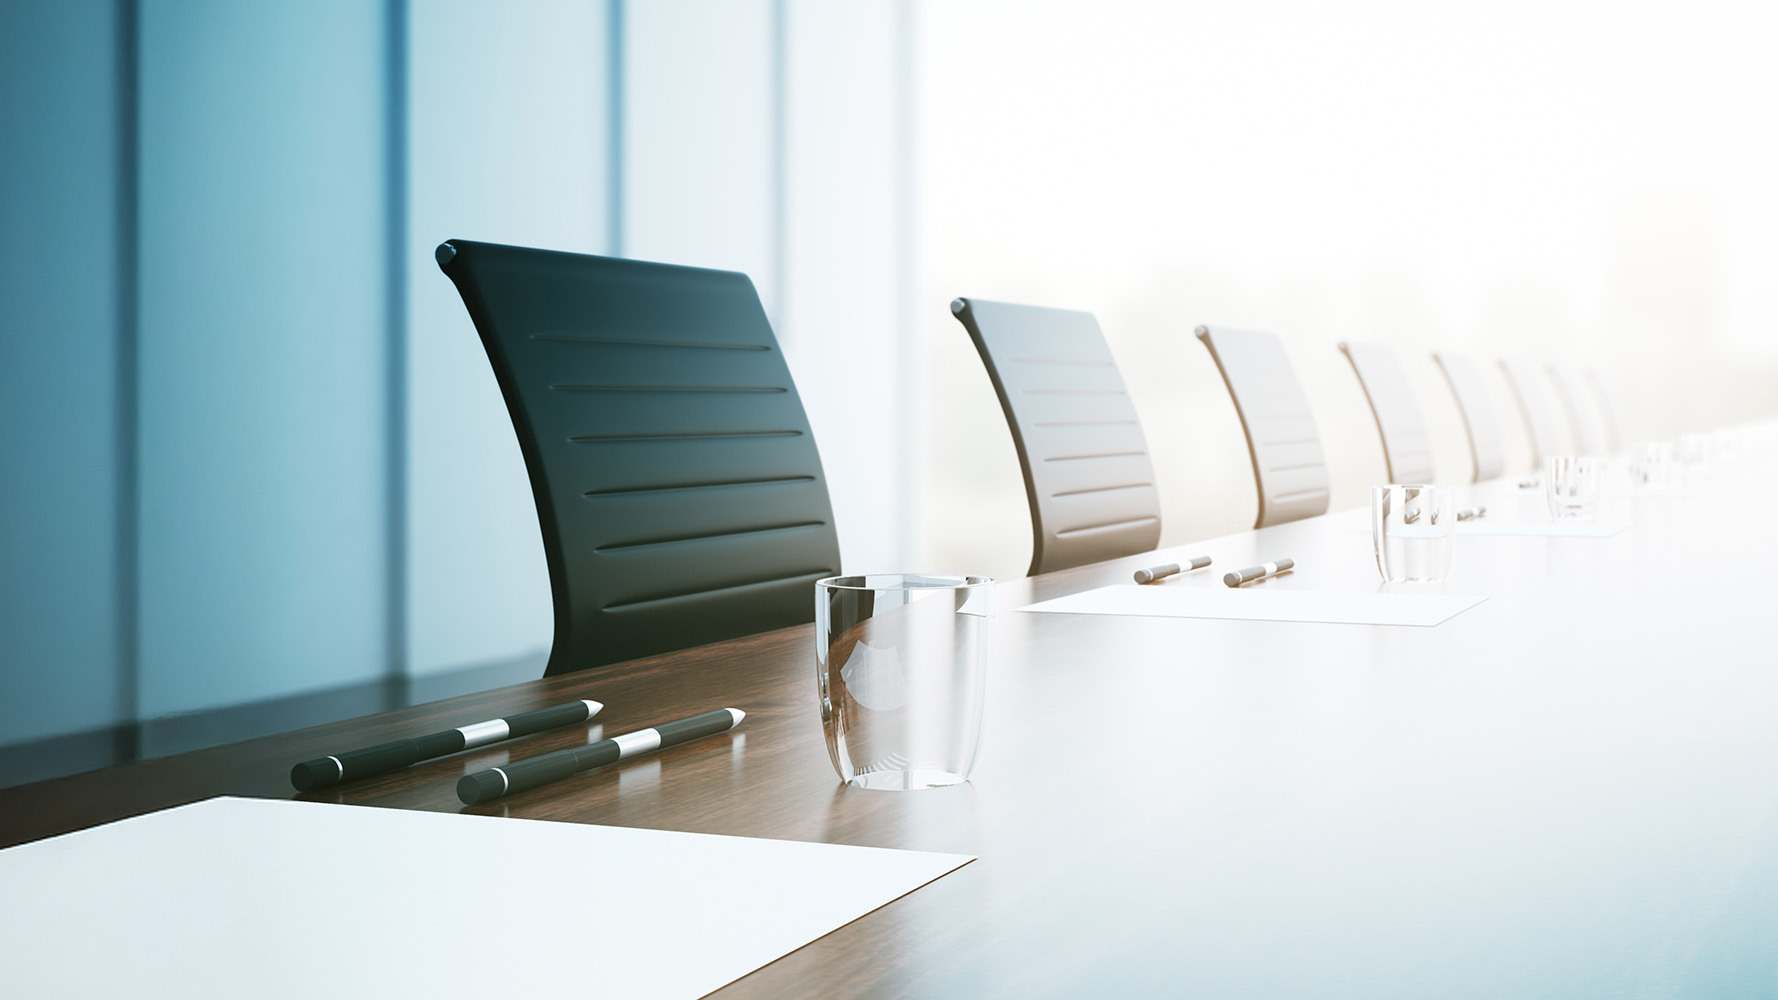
1487	448
678	488
1572	393
1088	477
1535	409
1289	468
1613	417
1407	444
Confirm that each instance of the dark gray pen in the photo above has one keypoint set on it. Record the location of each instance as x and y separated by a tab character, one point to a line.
1164	570
1259	572
333	769
497	781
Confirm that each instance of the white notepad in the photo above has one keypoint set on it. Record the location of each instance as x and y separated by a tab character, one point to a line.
1330	607
268	898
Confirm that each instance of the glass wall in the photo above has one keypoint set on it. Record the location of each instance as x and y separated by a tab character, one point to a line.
259	474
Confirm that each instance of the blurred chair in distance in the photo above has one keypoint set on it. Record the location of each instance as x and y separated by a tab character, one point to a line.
1486	446
1534	408
678	489
1407	445
1088	477
1289	468
1587	440
1615	441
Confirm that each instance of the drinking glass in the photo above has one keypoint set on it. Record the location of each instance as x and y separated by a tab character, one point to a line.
1694	449
1652	464
900	667
1571	482
1411	528
1725	442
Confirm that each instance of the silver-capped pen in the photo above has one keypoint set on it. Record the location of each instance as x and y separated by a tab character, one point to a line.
1151	574
1259	572
335	768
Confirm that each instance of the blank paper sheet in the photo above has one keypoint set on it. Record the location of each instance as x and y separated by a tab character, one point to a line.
235	897
1261	605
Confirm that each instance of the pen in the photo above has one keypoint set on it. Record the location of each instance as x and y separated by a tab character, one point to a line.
1471	513
497	781
1153	573
1260	572
333	769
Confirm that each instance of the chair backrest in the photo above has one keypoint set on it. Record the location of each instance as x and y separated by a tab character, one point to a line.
1534	407
1289	468
677	484
1087	473
1407	444
1614	421
1486	445
1573	396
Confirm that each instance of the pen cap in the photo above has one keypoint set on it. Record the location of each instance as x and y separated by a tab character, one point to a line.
1152	573
481	786
317	773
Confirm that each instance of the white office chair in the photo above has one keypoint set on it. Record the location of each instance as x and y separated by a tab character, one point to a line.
1407	445
1587	439
1289	468
1615	440
1486	445
1534	408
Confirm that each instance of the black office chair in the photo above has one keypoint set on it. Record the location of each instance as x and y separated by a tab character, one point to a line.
1087	473
676	478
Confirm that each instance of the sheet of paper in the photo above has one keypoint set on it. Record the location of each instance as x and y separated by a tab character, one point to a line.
1540	529
1262	605
262	898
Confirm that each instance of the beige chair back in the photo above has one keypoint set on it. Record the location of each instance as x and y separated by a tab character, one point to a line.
1407	445
1573	396
1289	468
1486	445
1614	422
1534	408
1087	473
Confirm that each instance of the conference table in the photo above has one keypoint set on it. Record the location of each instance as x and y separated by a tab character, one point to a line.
1570	789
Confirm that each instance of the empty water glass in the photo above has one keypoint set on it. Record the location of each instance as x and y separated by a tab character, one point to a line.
1571	483
1652	464
1411	528
1694	449
900	665
1725	442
